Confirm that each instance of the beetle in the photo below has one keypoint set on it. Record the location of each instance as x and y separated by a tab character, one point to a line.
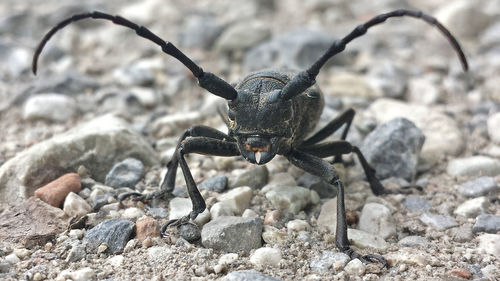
269	113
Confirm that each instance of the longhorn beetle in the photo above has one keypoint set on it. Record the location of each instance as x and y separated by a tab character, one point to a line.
269	113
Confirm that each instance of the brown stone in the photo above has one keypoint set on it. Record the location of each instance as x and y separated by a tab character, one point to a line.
55	191
460	272
272	217
147	227
34	222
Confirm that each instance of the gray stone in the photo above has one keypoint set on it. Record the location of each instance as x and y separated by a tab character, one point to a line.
362	239
241	36
413	241
473	166
4	267
473	207
248	275
293	50
322	187
97	144
76	253
288	198
388	79
377	219
15	58
199	32
232	234
487	223
327	259
462	234
51	107
393	148
134	75
125	173
217	183
190	232
439	222
478	187
416	204
255	178
114	232
158	213
489	243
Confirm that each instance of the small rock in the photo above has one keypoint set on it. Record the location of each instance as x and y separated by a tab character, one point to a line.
462	234
328	215
473	207
237	199
355	268
363	239
116	261
288	198
146	228
424	90
125	174
493	125
114	232
82	274
248	275
266	257
462	273
413	241
327	259
249	213
273	236
56	191
255	178
297	225
199	32
22	253
478	187
76	253
232	234
438	221
473	166
351	86
179	207
487	223
51	107
190	232
76	233
416	204
464	18
241	36
158	213
218	183
392	149
75	205
134	75
133	213
12	259
388	78
377	219
228	258
272	217
489	243
322	187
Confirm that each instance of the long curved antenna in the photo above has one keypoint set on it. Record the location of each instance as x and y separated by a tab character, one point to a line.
207	80
305	79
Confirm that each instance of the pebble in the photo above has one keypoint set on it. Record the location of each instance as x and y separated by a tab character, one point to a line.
355	268
493	125
413	241
56	191
362	239
147	227
489	243
424	90
461	272
392	149
133	213
377	219
464	18
199	32
237	199
322	187
474	166
190	232
82	274
12	258
388	78
22	253
329	259
76	253
255	178
291	199
76	233
51	107
125	173
116	261
249	213
266	257
114	232
352	86
478	187
272	217
461	234
158	213
438	221
179	207
328	215
218	183
416	204
297	225
75	205
248	275
134	75
38	276
241	36
273	236
487	223
473	207
232	234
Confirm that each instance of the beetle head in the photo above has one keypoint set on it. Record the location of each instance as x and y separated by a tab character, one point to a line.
260	123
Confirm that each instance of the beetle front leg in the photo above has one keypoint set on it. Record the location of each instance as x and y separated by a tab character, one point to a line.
321	168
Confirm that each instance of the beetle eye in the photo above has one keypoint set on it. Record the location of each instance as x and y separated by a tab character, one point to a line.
230	114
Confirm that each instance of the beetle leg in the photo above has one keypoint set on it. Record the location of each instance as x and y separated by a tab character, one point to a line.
201	145
168	182
345	118
321	168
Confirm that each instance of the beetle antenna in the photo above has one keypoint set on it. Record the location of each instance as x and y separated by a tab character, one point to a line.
206	80
306	79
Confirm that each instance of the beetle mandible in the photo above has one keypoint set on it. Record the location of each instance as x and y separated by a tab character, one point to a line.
269	113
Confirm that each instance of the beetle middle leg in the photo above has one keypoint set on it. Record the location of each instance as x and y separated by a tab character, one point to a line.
319	167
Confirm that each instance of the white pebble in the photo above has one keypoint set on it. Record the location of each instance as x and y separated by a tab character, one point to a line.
116	261
297	225
83	274
355	268
21	253
133	213
12	259
179	207
75	205
228	258
238	199
221	209
76	233
249	213
266	256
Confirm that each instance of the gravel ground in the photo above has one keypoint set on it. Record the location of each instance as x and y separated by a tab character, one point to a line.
104	114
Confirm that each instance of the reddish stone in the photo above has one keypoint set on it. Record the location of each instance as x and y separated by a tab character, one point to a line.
147	227
272	217
460	272
55	191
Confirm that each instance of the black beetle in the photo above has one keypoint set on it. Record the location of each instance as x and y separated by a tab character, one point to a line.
269	113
